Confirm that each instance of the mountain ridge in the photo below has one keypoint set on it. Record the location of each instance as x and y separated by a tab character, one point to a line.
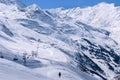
58	42
103	15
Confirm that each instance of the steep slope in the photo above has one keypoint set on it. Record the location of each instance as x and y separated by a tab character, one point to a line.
103	15
39	40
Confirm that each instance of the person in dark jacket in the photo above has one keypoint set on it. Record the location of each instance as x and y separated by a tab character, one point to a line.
59	74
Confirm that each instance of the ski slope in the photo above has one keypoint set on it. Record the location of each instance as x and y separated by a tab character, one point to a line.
12	71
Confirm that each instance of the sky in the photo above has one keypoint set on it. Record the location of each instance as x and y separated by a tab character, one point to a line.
47	4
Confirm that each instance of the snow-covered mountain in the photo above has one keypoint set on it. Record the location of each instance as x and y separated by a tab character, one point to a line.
103	15
46	42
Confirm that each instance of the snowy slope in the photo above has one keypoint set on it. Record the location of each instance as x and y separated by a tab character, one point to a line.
13	71
103	15
60	43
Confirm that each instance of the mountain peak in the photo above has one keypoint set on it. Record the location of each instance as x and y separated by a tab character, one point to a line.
33	7
104	4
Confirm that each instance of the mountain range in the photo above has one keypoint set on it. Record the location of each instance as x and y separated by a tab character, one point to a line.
80	43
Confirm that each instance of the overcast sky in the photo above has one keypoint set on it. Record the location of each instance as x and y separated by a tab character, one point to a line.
45	4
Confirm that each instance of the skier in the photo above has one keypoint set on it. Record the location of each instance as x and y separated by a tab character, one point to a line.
59	74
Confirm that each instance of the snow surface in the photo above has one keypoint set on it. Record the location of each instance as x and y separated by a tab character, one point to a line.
13	71
103	15
60	37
